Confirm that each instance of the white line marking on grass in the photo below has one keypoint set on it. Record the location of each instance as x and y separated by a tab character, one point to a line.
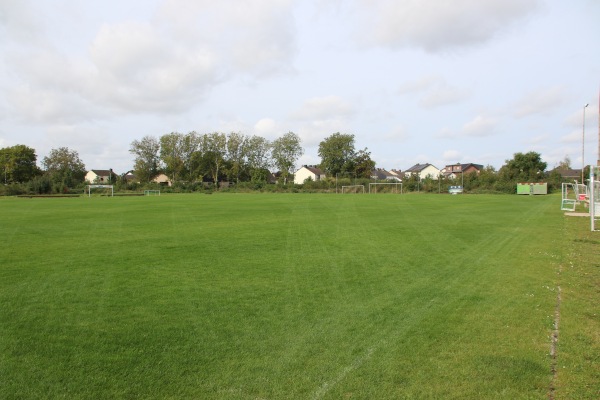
355	364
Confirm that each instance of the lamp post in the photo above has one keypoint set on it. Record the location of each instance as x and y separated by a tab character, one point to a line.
583	145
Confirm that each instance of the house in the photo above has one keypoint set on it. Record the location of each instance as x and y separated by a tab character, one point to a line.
423	171
397	173
101	176
130	178
569	174
162	179
308	172
381	174
453	171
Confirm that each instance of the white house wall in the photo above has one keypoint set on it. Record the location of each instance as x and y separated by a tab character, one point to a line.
303	174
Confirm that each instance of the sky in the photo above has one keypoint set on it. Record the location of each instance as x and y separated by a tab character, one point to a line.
415	81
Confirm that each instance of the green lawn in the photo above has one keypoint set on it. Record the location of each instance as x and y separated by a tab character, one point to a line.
297	296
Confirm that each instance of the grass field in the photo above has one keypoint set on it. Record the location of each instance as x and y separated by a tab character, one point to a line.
298	296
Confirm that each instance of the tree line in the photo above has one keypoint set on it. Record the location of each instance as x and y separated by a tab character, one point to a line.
247	161
232	157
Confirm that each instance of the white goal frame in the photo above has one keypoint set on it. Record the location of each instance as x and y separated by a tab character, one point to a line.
90	187
151	192
569	197
354	186
395	184
594	194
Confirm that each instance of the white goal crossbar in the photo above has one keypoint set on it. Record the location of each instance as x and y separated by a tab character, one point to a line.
394	185
90	187
151	192
357	189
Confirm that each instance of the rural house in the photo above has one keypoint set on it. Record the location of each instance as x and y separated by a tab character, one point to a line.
423	171
454	170
100	176
381	174
308	172
162	179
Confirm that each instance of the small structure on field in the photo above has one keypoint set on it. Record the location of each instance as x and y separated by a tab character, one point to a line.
532	188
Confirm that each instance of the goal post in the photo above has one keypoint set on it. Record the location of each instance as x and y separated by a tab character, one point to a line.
388	187
151	192
353	189
90	187
594	193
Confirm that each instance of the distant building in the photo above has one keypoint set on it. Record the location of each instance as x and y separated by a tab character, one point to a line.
162	179
422	171
308	172
381	174
101	176
569	174
455	170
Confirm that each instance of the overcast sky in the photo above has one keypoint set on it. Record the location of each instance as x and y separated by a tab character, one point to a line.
432	81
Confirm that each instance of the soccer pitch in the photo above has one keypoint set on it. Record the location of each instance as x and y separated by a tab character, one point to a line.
297	296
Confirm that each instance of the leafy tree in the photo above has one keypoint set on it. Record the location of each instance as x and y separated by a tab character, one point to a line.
64	167
337	154
286	150
192	143
215	149
363	165
172	153
146	162
527	167
258	156
564	164
236	153
18	164
487	178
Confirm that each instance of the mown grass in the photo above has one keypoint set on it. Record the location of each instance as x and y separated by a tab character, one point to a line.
250	296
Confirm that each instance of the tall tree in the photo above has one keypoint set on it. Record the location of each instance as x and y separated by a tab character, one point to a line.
18	164
172	153
146	162
363	164
192	143
215	148
286	150
236	153
258	156
64	166
337	154
523	167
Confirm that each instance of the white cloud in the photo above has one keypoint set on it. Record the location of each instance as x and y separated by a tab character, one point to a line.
419	85
451	156
443	95
323	109
139	70
266	127
480	126
165	64
572	137
435	91
397	134
440	25
541	101
256	37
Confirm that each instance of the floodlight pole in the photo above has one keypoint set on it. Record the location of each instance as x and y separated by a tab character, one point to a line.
583	144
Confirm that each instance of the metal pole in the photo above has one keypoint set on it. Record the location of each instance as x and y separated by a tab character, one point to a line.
583	144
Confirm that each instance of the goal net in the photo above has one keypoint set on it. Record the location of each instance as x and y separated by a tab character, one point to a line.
353	189
569	197
151	192
390	187
107	190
